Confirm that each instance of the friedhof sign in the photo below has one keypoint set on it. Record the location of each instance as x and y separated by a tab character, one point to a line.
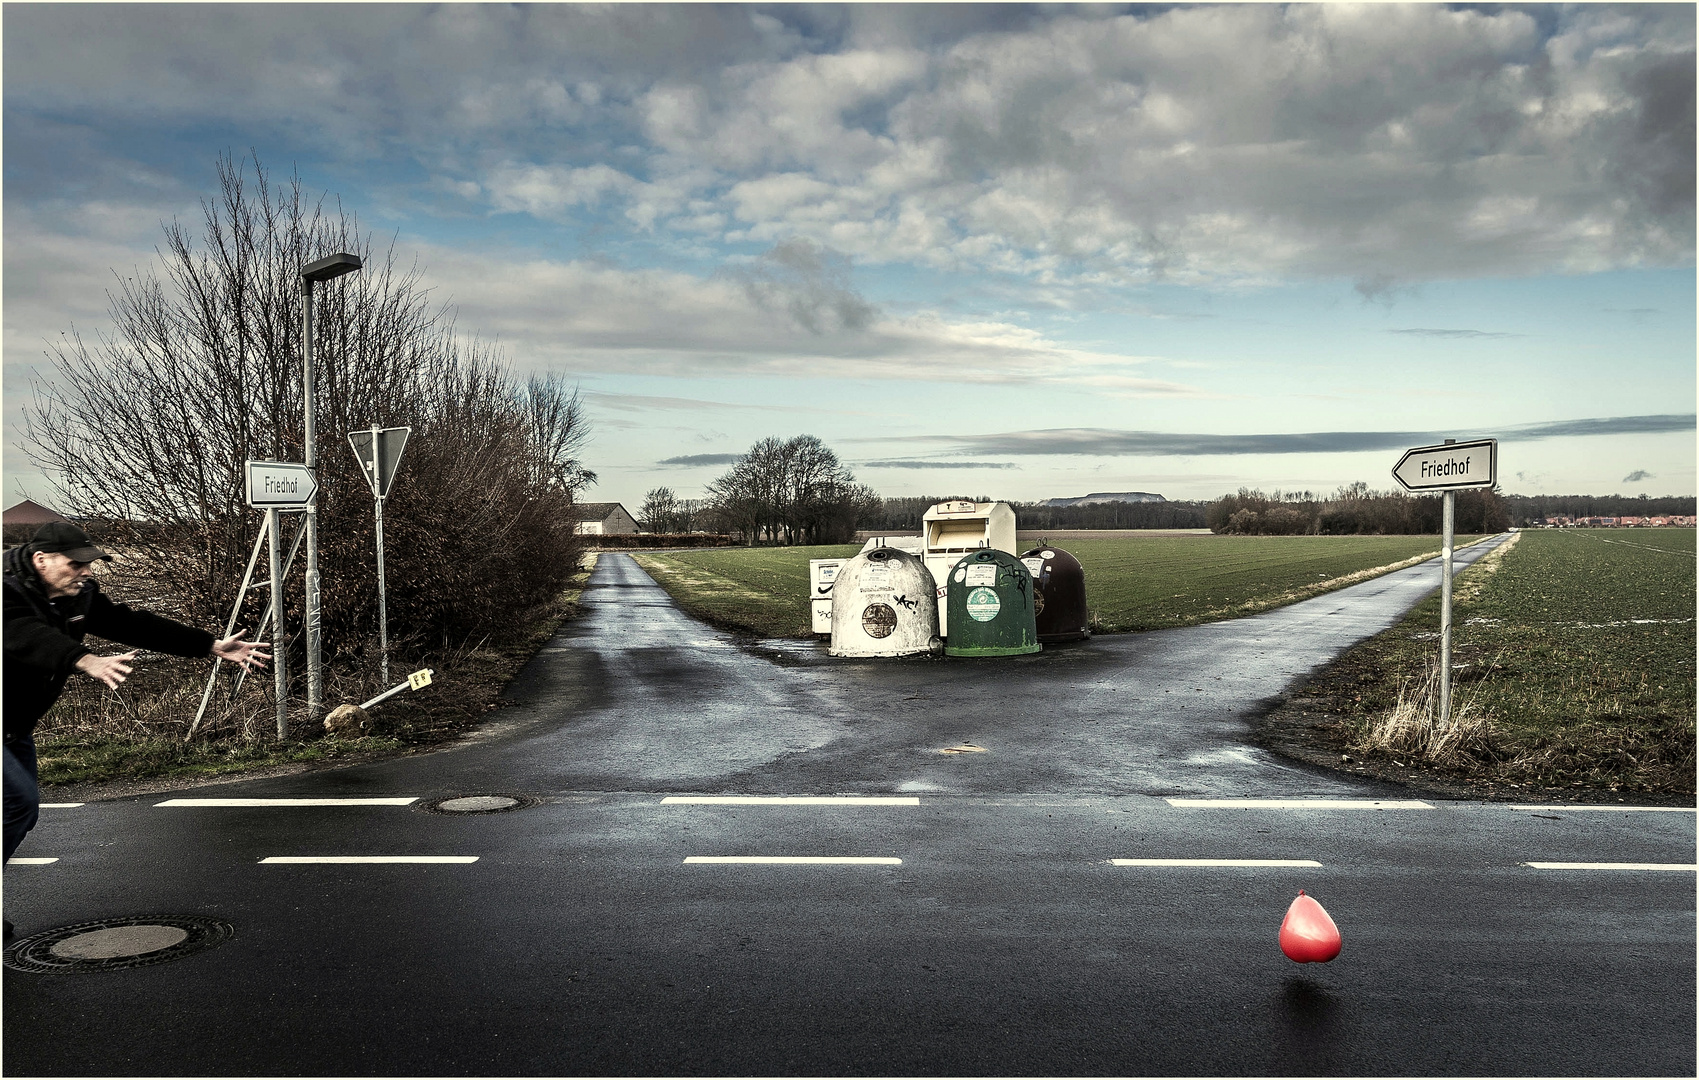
1449	467
280	485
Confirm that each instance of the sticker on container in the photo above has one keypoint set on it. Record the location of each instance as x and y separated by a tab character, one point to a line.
1033	566
983	605
961	574
1047	554
879	620
828	572
982	574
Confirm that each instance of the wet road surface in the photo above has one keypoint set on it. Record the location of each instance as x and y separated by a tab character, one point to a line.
993	935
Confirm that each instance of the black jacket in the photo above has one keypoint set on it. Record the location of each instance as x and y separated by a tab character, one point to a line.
43	639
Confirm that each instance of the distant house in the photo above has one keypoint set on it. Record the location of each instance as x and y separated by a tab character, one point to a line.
22	520
599	519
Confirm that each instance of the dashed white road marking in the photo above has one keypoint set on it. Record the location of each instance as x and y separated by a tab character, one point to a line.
398	801
1689	867
1617	809
1303	804
60	805
847	860
1213	862
15	861
793	800
349	859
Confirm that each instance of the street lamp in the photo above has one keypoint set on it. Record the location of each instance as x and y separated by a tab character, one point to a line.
325	269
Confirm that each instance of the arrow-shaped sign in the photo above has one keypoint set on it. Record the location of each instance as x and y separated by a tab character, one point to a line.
281	485
1449	466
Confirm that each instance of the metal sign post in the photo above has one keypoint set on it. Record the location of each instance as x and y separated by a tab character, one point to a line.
280	653
275	486
1447	468
378	451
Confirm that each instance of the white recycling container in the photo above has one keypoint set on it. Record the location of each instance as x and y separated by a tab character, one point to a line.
822	573
883	605
951	530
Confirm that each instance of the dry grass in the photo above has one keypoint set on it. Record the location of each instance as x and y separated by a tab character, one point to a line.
1412	728
138	731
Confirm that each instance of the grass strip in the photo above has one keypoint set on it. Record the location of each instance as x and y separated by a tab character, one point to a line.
1574	652
96	736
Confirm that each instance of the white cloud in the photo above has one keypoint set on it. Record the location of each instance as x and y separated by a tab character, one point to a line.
1194	144
793	314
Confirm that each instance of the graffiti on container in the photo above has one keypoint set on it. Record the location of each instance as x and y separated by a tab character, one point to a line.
912	605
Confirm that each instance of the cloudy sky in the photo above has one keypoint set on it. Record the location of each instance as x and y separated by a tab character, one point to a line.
1003	250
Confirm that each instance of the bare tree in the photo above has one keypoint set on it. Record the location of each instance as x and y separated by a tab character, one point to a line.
147	430
791	491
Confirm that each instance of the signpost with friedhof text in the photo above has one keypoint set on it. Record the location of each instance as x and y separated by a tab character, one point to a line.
1448	467
276	486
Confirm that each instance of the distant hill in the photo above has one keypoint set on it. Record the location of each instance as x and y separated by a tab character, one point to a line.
1109	497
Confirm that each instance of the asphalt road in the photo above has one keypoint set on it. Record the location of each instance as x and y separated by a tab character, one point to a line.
996	936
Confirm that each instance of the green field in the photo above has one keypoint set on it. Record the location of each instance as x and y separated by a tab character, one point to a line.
1132	583
1578	647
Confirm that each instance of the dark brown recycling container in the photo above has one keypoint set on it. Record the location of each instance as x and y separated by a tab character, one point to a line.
1058	594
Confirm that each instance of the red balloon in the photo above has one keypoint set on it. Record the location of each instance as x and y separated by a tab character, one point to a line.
1308	934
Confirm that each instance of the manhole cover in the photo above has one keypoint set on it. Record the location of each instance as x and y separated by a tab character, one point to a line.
116	943
477	804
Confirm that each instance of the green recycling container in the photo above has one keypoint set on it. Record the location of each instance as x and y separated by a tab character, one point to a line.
989	606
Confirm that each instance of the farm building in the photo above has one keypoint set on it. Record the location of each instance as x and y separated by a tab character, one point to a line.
24	518
602	518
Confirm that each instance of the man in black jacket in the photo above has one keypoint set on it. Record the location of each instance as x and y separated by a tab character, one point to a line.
52	600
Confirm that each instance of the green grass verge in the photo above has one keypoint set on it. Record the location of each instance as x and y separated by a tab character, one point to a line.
1577	647
1132	583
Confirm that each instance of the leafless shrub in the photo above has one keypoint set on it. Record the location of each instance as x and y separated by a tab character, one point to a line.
145	433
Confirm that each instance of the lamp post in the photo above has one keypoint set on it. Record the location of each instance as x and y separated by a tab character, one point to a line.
325	269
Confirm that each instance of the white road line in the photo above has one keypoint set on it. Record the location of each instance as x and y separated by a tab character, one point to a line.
345	859
1689	867
1303	804
1617	809
858	860
30	862
1213	862
60	805
794	800
400	801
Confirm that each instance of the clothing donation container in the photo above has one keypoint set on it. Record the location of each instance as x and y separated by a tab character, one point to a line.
990	606
822	573
1058	594
952	529
882	605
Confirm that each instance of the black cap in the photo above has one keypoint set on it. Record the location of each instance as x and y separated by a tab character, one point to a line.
66	539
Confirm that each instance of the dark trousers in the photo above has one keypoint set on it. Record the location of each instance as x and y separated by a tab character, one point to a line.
23	796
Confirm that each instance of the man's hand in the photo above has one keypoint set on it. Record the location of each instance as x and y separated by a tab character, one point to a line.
244	654
110	670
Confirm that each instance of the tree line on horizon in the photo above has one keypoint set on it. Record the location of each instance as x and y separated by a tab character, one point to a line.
796	491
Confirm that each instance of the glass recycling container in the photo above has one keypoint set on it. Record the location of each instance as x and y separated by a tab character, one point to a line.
882	605
1058	594
989	600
